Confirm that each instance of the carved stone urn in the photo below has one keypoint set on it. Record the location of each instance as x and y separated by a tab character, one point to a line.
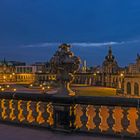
64	64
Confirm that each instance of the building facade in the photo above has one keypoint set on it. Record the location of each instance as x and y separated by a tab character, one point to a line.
7	72
13	72
109	70
132	79
107	75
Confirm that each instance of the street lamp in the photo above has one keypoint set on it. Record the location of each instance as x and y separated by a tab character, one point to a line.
48	87
13	73
43	90
94	74
14	89
121	74
31	85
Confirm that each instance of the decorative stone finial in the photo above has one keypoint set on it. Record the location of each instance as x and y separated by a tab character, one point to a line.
65	64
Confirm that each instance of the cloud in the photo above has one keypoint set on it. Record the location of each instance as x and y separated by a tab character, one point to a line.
79	44
92	44
40	45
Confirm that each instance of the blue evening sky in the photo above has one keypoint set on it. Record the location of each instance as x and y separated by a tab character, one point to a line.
30	30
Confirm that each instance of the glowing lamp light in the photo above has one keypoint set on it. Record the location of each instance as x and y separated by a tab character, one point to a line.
53	78
4	77
14	89
94	74
13	73
98	72
7	86
2	89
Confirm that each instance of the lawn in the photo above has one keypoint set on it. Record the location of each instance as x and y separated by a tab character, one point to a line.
94	91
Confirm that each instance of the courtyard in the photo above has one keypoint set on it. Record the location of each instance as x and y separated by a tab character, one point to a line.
82	90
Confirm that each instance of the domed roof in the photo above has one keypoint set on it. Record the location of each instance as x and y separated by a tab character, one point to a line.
109	58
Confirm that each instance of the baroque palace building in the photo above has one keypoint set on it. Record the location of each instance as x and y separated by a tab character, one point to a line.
13	72
7	72
112	74
132	79
126	80
107	75
25	74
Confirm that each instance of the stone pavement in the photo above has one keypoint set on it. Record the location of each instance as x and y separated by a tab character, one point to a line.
10	132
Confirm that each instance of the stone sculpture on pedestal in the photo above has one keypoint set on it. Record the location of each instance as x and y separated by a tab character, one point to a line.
64	64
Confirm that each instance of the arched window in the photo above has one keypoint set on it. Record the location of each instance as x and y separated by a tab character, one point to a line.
136	89
128	88
122	84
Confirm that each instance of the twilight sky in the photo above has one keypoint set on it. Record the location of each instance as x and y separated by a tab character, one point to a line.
30	30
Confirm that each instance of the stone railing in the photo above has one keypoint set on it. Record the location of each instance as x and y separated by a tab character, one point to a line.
102	115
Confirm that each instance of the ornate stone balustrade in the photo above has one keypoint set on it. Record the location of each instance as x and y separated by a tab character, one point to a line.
108	120
114	116
26	112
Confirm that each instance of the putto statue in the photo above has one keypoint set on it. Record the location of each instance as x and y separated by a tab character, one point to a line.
65	64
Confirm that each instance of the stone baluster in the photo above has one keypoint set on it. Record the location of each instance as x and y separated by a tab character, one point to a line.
103	114
40	111
72	117
132	118
12	115
117	116
4	108
78	114
90	113
20	111
30	117
50	111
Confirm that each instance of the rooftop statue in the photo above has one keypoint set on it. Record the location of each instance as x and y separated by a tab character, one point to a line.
65	64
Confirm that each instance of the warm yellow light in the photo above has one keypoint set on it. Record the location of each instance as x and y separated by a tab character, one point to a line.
98	71
122	74
14	89
2	89
31	85
7	86
10	76
48	87
13	73
40	85
43	88
94	74
53	78
4	77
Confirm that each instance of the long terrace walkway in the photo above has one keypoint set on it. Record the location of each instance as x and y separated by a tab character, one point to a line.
10	132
